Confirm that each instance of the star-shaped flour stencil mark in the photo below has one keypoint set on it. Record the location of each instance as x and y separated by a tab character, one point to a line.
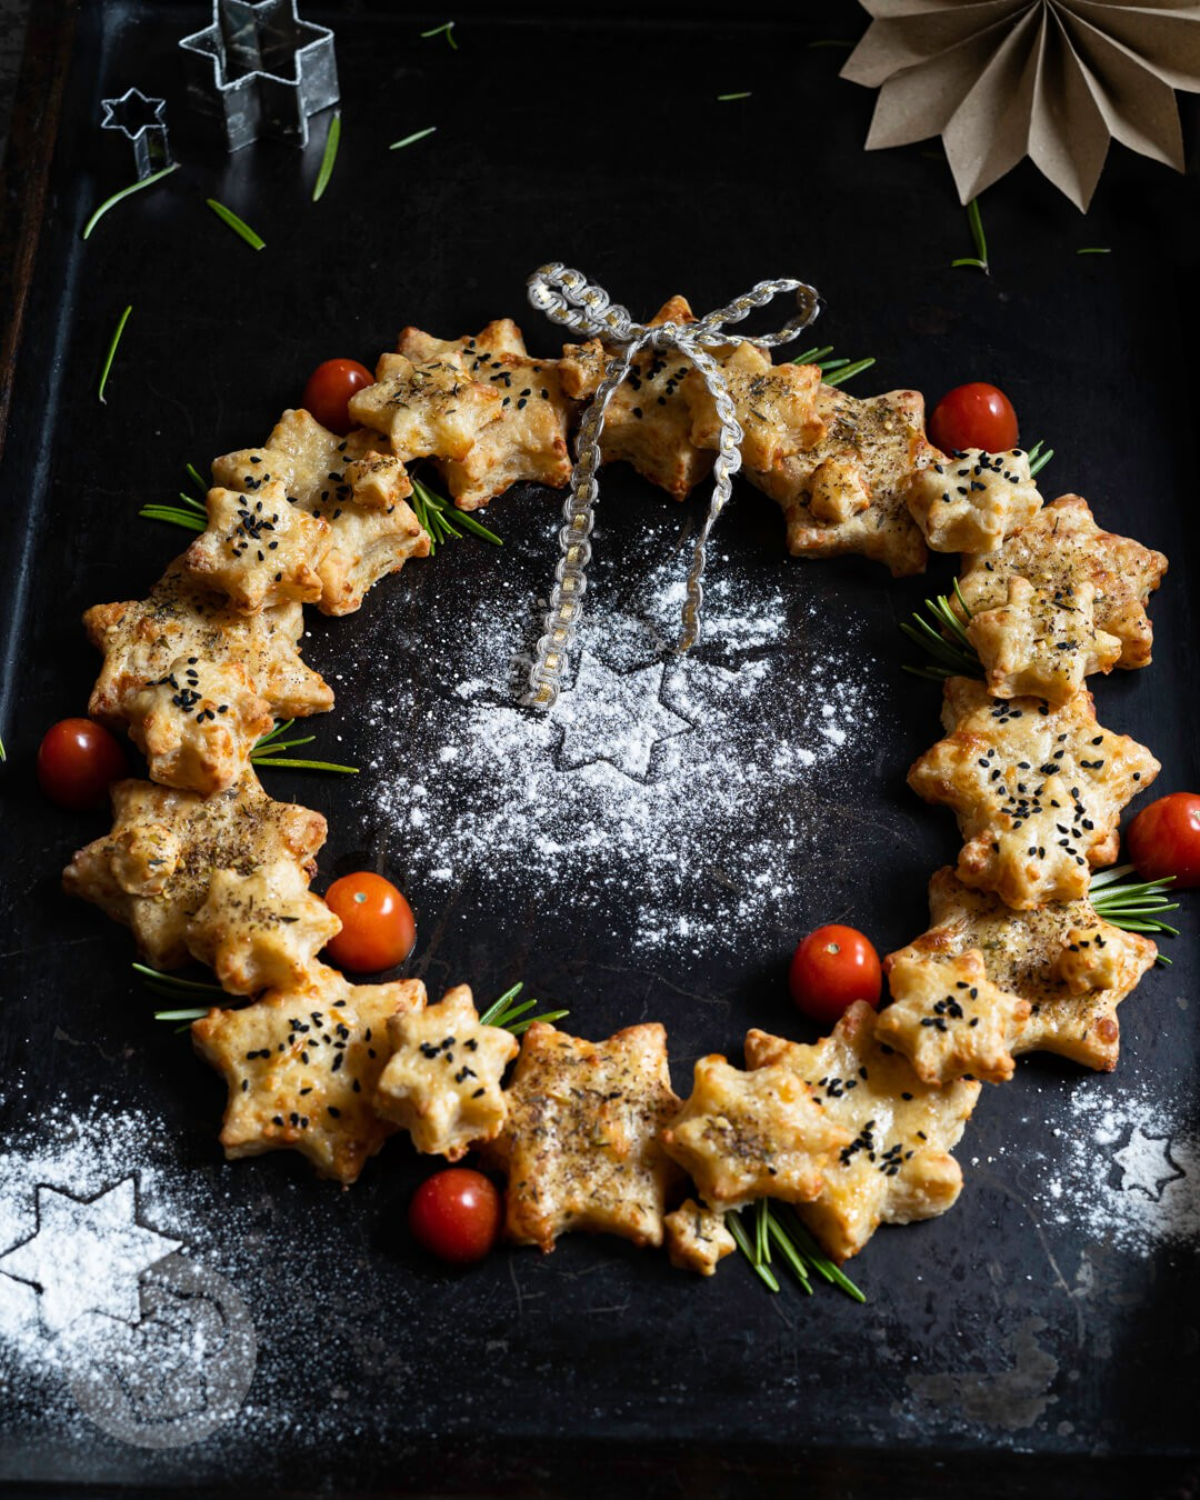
87	1255
615	717
1146	1164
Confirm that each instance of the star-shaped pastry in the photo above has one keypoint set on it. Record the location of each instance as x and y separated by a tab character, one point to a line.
1073	992
848	492
500	336
580	1145
1042	643
443	1081
197	724
896	1167
258	549
697	1238
262	930
143	639
775	405
970	501
355	484
302	1066
615	717
1063	548
648	422
86	1255
426	409
1038	790
948	1018
744	1136
152	871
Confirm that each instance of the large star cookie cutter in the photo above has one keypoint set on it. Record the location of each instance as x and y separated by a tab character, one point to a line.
261	70
141	121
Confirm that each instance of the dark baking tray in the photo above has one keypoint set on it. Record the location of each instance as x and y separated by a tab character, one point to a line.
597	141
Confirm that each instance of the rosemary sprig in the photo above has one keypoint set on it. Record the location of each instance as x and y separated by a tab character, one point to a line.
448	28
134	187
268	751
433	512
953	657
1037	459
727	98
833	371
410	140
112	350
171	987
239	226
1135	905
763	1272
514	1017
840	377
1094	250
774	1224
332	139
188	519
980	258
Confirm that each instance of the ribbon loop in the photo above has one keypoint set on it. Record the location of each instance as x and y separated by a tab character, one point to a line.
570	300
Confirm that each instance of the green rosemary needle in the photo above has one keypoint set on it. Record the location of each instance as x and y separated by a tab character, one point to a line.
112	350
329	156
268	751
188	519
945	641
839	377
727	98
134	187
411	140
980	258
447	28
1037	459
1134	905
239	226
511	1016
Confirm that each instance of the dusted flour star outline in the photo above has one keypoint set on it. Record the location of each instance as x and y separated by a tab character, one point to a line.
597	715
73	1237
1149	1178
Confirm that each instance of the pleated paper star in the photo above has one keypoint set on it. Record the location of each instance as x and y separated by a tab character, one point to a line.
1054	80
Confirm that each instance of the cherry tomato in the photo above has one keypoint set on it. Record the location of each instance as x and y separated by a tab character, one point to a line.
330	386
77	761
833	967
1164	839
456	1215
974	416
378	928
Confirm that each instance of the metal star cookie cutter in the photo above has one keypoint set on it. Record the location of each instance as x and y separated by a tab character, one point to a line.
260	70
141	121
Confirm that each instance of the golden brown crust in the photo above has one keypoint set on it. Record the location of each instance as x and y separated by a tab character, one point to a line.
869	448
258	549
1041	643
775	406
1037	789
697	1238
970	501
301	1066
433	409
152	871
744	1136
1062	548
897	1167
581	1146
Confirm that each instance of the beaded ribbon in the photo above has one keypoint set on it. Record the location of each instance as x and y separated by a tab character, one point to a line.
569	299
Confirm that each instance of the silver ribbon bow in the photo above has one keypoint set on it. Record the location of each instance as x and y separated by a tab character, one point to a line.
569	299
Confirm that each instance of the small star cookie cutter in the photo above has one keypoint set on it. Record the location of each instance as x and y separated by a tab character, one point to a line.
141	121
261	71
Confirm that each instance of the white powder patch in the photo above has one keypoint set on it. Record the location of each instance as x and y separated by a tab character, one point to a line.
689	787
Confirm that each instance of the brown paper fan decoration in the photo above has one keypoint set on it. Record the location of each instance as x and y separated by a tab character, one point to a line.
1054	80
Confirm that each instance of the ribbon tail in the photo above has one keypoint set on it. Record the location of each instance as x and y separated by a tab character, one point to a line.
726	465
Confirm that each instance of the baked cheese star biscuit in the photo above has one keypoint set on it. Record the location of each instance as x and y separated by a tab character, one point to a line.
847	493
775	406
1073	991
1062	548
262	930
1042	643
1038	790
258	549
744	1136
355	484
431	409
970	501
648	422
697	1238
501	336
301	1066
152	871
443	1081
896	1167
580	1145
948	1018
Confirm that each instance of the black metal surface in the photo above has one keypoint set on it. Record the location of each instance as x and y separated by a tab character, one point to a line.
601	145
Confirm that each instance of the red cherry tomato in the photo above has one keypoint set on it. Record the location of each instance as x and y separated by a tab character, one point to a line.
330	386
1164	839
455	1215
974	416
77	761
378	928
833	967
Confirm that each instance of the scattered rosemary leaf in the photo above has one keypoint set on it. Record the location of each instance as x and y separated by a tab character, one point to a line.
726	98
980	259
514	1017
239	226
944	641
433	511
134	187
448	28
112	349
176	516
840	376
409	140
1037	459
3	753
268	751
1094	250
332	139
812	356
